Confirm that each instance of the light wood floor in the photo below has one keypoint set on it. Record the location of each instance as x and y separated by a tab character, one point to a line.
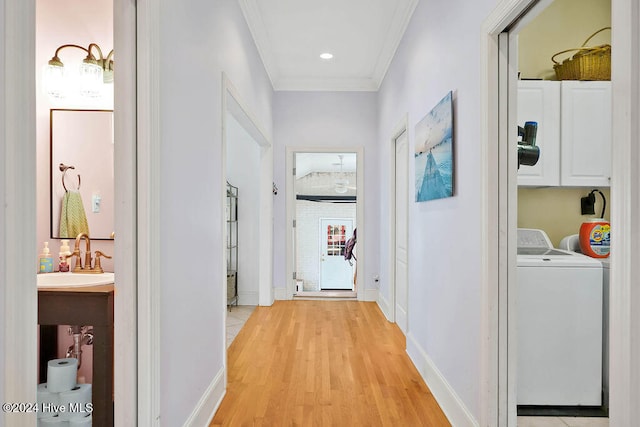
323	363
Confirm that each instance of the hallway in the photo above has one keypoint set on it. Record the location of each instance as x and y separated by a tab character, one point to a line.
323	363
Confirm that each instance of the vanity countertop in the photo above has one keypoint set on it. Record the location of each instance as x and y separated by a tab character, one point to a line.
81	289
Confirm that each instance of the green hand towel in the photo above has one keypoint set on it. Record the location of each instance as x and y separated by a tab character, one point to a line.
73	220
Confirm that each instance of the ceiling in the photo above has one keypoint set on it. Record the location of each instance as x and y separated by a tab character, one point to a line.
307	163
363	36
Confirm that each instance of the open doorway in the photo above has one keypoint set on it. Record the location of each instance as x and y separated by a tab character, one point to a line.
561	308
325	222
248	203
506	212
27	223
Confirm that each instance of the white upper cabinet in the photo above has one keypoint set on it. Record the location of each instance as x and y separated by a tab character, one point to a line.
539	101
586	133
574	132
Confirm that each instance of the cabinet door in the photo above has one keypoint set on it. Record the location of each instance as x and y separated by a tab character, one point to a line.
539	101
586	134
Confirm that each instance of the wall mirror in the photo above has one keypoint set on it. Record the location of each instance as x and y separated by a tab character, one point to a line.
81	173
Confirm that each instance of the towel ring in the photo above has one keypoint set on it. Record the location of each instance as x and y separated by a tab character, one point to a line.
64	169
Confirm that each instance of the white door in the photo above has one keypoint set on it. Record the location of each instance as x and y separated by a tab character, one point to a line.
335	271
401	237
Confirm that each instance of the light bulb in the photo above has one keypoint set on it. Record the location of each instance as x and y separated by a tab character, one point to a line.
90	79
53	81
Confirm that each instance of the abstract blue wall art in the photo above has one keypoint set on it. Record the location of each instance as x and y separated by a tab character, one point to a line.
434	152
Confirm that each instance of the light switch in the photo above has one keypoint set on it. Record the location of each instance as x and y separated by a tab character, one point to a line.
95	203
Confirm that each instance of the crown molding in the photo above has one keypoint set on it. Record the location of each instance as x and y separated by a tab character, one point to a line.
258	30
326	85
399	24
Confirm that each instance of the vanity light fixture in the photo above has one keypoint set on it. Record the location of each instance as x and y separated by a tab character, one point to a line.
326	55
93	72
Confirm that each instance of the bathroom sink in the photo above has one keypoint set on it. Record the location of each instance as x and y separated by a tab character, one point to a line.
63	280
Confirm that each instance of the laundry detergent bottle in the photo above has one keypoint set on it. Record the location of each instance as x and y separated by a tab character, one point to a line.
595	238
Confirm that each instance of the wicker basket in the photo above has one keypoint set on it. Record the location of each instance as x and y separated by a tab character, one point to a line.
588	63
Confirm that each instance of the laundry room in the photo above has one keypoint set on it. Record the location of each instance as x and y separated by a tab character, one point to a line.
564	155
572	162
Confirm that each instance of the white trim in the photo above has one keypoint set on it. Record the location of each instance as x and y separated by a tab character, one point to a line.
361	223
18	144
253	17
399	23
624	386
497	399
234	104
148	204
397	29
125	305
508	213
384	305
370	295
450	403
280	294
401	127
249	298
326	85
209	403
362	293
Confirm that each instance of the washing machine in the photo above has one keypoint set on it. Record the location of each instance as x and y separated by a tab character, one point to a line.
572	243
559	324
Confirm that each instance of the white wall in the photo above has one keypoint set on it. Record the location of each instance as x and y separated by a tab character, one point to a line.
198	43
439	53
243	171
327	119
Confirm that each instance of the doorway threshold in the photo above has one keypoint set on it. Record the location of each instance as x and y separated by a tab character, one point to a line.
333	295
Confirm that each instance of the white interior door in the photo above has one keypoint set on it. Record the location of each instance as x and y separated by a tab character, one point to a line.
401	237
335	271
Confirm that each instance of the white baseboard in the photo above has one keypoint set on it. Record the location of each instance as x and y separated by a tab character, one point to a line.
385	306
280	294
401	319
209	402
451	404
248	298
368	295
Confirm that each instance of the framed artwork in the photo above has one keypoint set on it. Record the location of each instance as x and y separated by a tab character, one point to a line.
434	152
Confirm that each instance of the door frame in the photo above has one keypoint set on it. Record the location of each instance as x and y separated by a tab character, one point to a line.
498	361
390	306
624	347
498	215
18	188
233	104
291	208
148	126
18	216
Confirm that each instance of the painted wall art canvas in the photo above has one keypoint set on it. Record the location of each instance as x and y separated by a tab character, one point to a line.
434	152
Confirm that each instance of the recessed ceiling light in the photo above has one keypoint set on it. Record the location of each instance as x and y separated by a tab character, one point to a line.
326	55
